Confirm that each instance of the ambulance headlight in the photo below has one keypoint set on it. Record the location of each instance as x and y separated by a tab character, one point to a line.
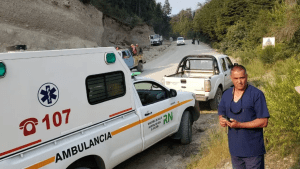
2	69
110	58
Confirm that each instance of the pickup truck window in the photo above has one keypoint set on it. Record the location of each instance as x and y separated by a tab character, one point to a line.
125	55
197	64
103	87
154	36
150	92
222	61
129	53
229	63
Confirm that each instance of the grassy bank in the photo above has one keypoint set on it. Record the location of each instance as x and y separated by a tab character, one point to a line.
275	71
277	81
215	152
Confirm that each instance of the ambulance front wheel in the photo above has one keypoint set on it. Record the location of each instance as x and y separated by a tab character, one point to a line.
140	67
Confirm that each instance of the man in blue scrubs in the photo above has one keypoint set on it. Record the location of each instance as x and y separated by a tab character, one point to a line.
247	112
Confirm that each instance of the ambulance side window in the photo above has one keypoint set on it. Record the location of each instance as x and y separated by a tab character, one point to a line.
104	87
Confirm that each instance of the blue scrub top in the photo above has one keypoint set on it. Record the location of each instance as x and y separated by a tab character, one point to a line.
245	142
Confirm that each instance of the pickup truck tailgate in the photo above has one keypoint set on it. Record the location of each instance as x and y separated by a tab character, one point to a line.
185	84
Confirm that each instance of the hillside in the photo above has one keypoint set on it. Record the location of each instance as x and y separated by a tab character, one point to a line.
63	24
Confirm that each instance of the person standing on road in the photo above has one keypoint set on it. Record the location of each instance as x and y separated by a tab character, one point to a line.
198	41
133	49
246	107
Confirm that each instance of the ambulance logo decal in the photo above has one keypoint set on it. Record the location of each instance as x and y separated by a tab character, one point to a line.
48	94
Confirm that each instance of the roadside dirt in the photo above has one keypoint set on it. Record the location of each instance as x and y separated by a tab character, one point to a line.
152	52
170	154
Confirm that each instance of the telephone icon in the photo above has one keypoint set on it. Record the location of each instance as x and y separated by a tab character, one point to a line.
32	122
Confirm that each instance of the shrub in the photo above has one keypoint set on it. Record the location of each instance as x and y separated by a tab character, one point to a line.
283	102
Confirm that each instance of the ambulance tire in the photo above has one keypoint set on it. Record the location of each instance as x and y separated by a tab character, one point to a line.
82	168
185	128
140	67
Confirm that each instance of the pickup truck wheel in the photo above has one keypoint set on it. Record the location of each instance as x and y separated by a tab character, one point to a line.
140	67
185	128
214	103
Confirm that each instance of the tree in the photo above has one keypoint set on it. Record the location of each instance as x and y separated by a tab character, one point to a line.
167	8
182	23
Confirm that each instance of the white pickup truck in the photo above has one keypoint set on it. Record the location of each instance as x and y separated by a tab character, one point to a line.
156	39
205	75
81	108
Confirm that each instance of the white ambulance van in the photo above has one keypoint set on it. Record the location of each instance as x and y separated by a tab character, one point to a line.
81	108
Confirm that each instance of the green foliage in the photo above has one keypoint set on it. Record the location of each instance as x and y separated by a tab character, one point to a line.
215	17
271	54
167	8
235	37
268	54
283	102
182	23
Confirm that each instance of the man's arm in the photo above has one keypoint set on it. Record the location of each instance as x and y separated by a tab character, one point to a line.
257	123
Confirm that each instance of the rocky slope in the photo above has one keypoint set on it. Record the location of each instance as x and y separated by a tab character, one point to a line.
63	24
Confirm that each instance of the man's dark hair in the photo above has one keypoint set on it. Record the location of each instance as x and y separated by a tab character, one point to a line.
237	67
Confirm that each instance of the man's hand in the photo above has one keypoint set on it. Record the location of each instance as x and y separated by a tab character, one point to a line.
222	121
257	123
233	123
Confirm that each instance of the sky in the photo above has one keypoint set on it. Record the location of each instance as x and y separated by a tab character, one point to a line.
178	5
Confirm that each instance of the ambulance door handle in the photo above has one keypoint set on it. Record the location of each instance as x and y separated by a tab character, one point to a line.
148	113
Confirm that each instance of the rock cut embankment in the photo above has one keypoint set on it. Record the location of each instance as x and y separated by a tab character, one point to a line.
63	24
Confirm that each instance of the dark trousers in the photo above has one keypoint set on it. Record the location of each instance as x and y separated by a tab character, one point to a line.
257	162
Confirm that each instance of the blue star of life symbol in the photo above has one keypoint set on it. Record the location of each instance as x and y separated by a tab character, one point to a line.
48	94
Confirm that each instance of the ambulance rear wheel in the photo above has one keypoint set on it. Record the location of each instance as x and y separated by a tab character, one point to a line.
185	128
140	67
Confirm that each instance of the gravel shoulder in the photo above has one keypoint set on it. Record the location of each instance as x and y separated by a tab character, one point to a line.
169	153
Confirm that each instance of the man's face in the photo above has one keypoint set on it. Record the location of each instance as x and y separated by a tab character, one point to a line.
239	79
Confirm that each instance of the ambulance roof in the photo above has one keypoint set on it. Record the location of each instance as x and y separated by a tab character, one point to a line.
54	53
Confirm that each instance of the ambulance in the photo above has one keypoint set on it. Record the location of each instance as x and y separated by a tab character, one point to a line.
82	108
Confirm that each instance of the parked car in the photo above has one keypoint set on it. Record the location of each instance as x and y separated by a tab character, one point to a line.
205	75
156	39
133	62
127	57
180	41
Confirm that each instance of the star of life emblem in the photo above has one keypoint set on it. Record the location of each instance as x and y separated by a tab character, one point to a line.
48	94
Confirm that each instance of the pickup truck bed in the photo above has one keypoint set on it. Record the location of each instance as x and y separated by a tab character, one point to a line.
205	75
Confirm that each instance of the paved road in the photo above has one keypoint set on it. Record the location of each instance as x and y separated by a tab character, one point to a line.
167	63
170	154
